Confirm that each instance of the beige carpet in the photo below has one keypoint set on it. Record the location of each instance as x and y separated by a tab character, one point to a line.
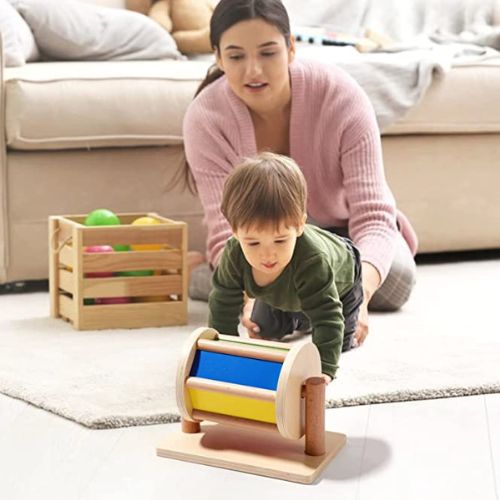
446	342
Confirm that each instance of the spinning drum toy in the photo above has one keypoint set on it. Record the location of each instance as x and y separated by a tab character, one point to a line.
263	397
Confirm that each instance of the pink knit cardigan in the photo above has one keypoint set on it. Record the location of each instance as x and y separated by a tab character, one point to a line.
335	140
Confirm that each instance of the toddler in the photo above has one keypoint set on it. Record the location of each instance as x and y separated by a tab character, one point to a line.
302	277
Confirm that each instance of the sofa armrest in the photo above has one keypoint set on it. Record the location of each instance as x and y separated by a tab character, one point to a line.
3	175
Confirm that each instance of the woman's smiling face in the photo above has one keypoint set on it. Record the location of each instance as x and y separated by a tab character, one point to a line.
255	57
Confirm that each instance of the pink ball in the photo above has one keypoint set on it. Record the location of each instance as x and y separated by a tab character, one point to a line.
99	249
113	300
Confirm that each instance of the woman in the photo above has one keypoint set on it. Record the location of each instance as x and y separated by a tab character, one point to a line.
258	98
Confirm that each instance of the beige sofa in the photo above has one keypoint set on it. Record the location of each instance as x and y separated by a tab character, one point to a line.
82	135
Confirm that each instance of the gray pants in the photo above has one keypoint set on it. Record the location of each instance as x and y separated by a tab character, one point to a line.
391	296
397	286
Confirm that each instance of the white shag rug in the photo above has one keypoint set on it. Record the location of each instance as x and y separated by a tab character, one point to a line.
444	343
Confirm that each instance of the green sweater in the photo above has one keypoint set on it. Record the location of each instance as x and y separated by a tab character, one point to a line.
320	273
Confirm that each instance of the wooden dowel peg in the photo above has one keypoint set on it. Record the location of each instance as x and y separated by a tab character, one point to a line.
247	351
190	427
228	420
315	416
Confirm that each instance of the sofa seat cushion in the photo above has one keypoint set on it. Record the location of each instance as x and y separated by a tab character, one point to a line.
72	105
463	100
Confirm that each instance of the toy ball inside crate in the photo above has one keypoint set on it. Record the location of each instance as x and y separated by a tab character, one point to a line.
131	274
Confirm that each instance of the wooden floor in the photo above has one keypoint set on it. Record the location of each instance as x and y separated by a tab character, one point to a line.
441	449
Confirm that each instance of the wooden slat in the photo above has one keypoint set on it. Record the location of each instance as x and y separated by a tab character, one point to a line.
74	219
66	307
129	217
78	275
66	281
185	271
139	315
134	286
233	389
132	261
53	267
129	235
65	229
125	217
257	342
233	421
245	350
66	256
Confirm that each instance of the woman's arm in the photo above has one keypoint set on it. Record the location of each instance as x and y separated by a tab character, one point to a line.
211	159
372	210
371	205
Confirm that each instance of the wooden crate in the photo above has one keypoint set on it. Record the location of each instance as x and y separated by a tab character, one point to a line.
156	300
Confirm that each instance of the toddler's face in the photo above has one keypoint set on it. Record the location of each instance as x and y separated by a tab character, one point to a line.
268	250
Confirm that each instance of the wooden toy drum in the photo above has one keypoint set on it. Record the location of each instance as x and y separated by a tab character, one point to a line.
245	382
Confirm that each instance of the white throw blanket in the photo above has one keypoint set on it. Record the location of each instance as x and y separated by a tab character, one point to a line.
430	37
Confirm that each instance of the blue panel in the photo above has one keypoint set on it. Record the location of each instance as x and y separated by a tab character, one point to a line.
236	369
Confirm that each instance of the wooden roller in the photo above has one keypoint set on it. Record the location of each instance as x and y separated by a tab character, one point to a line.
245	382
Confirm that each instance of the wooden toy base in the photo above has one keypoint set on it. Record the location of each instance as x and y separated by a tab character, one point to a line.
263	453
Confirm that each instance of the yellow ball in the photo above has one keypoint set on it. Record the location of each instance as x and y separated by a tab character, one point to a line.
146	221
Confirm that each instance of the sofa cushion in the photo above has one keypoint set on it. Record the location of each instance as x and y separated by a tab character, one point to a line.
134	103
75	105
463	100
75	31
19	44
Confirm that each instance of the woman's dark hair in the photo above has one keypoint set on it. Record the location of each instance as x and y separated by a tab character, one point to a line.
226	14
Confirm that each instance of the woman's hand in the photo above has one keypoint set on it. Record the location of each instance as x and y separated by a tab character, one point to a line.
252	328
371	281
362	326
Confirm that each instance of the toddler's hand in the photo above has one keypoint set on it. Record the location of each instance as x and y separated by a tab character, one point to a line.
327	378
252	328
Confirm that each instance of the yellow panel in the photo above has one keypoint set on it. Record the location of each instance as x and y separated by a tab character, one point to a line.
236	406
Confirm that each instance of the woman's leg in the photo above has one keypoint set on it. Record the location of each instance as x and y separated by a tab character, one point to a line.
200	282
397	287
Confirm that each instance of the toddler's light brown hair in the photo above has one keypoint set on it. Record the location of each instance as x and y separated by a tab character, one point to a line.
268	189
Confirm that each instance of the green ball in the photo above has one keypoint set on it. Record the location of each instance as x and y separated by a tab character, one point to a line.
121	248
102	217
136	273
